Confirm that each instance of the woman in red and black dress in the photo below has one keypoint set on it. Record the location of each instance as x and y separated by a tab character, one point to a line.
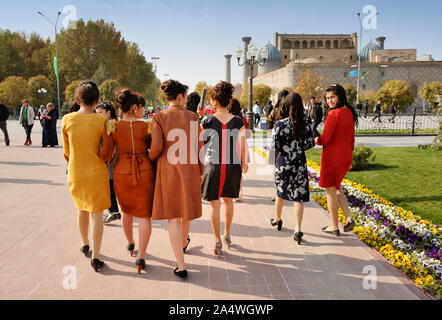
338	141
223	167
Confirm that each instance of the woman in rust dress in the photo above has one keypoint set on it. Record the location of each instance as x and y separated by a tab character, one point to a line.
134	173
176	148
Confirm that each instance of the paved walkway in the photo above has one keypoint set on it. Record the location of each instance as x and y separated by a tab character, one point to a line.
39	238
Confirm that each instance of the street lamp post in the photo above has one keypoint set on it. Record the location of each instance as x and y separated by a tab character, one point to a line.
155	59
251	61
56	54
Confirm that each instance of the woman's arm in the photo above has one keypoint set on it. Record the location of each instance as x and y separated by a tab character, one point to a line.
329	129
106	151
243	145
157	139
65	137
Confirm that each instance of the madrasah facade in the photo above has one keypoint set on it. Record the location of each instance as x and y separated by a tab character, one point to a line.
334	56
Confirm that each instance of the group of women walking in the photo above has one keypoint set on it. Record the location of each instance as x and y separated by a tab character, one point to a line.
161	170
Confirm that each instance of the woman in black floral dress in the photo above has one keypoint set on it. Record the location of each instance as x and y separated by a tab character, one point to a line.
291	137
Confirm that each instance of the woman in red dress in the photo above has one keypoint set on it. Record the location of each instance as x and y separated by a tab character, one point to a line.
338	141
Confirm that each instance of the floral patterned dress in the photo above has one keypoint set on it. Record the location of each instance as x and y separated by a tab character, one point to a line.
291	178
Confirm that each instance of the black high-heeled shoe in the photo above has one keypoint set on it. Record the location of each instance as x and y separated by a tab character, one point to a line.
182	274
141	264
85	250
298	237
278	223
335	232
97	264
188	241
131	248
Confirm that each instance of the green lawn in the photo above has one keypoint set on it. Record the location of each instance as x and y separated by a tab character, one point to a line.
409	177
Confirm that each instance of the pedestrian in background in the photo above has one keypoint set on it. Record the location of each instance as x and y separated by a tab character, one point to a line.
358	108
256	113
377	109
4	115
27	120
49	136
392	110
366	108
107	110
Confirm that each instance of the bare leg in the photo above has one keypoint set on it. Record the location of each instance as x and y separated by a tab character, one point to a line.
299	213
83	224
332	202
97	233
144	232
228	214
343	204
185	227
128	222
279	204
215	207
176	241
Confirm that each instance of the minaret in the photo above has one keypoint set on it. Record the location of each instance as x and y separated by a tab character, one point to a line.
245	68
228	68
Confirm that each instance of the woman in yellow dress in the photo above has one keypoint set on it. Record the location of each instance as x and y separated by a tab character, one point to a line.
88	176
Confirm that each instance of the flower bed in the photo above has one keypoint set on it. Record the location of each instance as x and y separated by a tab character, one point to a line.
410	243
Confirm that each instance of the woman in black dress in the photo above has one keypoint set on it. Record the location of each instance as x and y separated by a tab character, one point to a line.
50	127
222	166
292	136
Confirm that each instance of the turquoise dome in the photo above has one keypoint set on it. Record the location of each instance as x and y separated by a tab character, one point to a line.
274	54
365	52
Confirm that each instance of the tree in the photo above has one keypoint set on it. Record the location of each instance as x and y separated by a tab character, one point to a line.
36	83
102	74
309	83
261	93
161	97
70	91
199	88
108	89
351	93
13	90
429	93
397	91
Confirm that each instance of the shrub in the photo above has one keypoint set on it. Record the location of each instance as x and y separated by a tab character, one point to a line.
362	155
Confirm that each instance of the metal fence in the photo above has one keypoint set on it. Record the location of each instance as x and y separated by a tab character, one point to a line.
410	122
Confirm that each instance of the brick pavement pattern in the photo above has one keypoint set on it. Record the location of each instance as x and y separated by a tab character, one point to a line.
39	241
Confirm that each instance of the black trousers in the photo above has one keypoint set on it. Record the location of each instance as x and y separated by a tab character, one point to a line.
257	119
315	129
114	204
4	128
28	130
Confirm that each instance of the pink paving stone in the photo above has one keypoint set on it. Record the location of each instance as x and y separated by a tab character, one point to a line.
262	263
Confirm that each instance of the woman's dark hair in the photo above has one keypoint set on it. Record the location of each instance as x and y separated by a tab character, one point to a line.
293	108
108	106
73	107
192	102
127	99
87	92
141	100
339	91
281	95
173	88
222	93
235	108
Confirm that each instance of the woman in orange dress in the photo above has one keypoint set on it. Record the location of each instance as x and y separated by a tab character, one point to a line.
134	173
176	149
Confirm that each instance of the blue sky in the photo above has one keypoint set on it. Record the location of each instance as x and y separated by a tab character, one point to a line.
192	36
